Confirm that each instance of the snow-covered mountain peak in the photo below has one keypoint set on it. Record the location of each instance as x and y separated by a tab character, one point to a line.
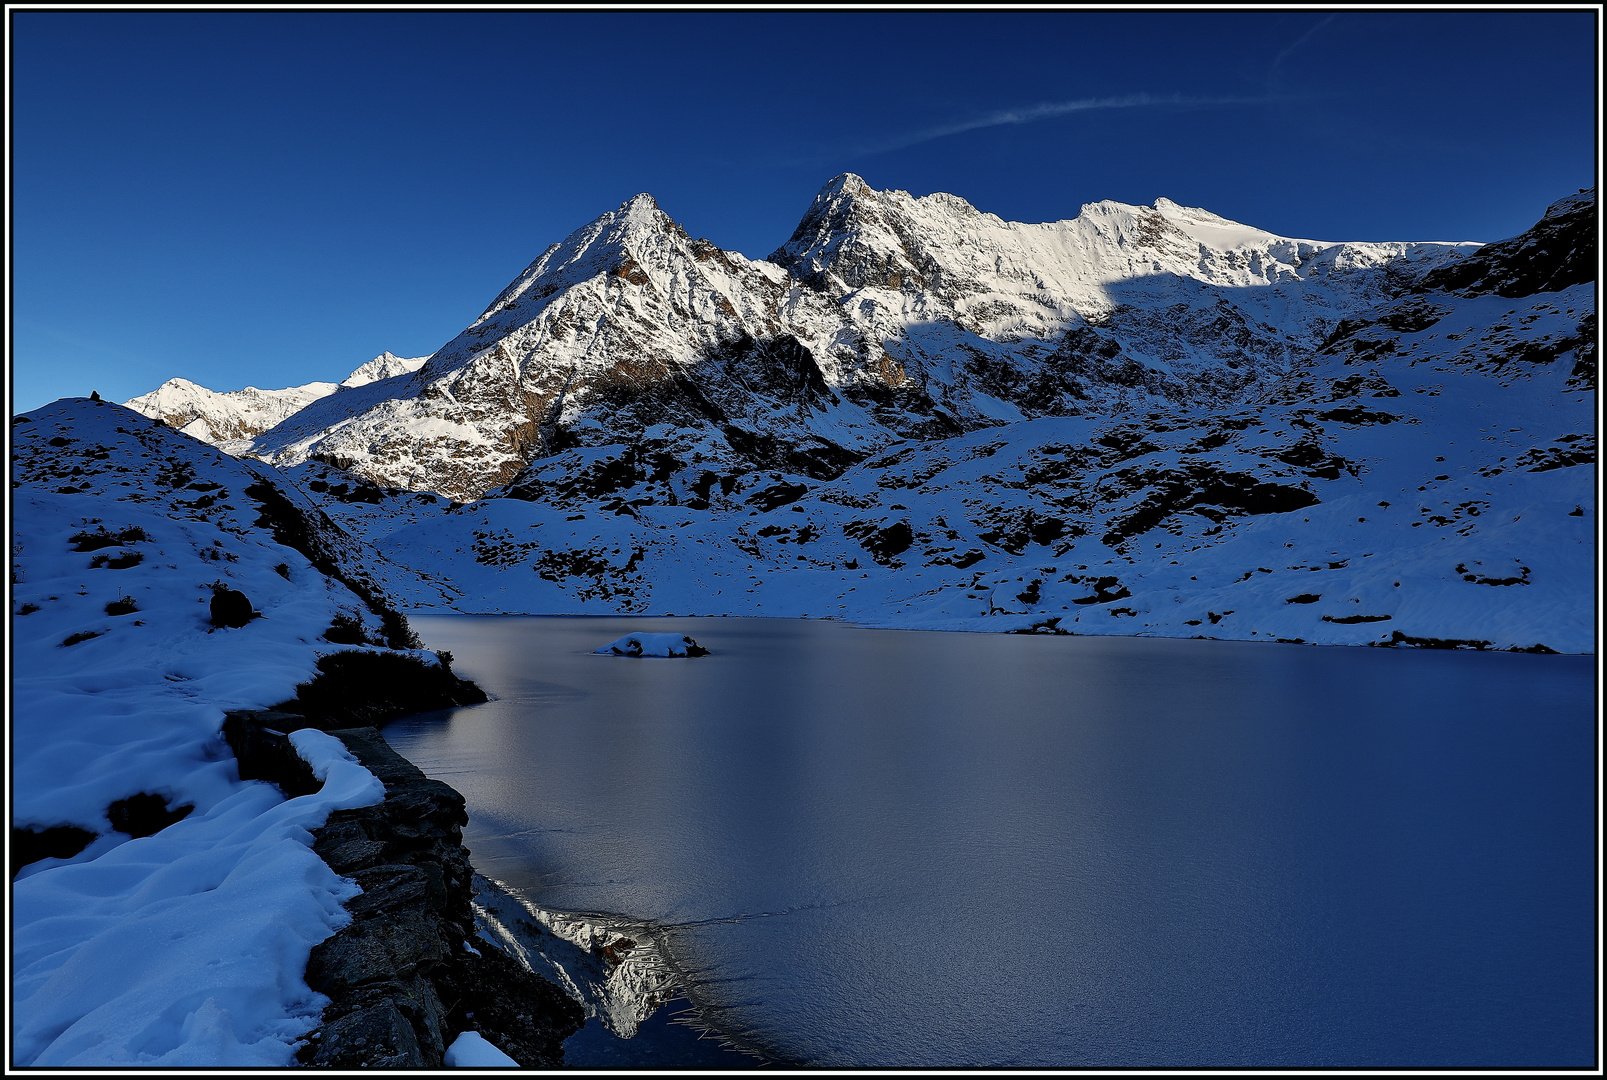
886	316
847	184
609	314
640	205
230	419
636	218
940	246
946	250
384	366
834	201
853	236
637	232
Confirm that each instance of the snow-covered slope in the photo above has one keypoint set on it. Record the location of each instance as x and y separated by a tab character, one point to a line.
230	419
1438	439
184	947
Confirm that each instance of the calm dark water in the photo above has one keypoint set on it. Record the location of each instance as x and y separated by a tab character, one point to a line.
898	848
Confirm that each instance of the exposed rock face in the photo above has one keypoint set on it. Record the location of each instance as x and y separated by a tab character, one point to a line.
29	845
1558	252
886	317
403	977
231	608
145	814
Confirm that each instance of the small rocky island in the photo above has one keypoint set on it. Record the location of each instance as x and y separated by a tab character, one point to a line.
662	645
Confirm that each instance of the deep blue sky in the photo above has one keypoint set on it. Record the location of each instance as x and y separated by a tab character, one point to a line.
272	198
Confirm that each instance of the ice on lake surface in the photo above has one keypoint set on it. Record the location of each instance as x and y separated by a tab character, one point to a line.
898	848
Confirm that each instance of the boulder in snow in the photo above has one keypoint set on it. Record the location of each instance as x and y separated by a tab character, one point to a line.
231	608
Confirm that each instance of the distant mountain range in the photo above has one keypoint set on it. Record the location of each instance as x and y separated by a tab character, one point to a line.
233	418
1144	420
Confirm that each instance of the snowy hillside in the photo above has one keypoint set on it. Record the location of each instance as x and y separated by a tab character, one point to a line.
178	936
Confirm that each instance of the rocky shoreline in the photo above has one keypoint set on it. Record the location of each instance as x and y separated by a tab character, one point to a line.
404	977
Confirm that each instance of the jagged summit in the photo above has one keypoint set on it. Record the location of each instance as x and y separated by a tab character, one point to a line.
387	365
591	249
849	183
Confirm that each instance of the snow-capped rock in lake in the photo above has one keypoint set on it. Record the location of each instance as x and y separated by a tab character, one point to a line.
664	645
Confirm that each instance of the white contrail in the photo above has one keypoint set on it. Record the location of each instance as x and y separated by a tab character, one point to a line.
1044	112
1272	68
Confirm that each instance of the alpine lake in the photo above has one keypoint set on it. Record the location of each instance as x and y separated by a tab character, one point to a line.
859	847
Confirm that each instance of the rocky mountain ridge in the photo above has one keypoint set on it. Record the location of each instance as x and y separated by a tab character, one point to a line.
885	317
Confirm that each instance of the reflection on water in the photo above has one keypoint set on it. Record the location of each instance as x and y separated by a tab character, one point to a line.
614	970
897	848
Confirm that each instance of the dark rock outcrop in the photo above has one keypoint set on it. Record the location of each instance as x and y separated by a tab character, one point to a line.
145	814
1559	251
325	545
